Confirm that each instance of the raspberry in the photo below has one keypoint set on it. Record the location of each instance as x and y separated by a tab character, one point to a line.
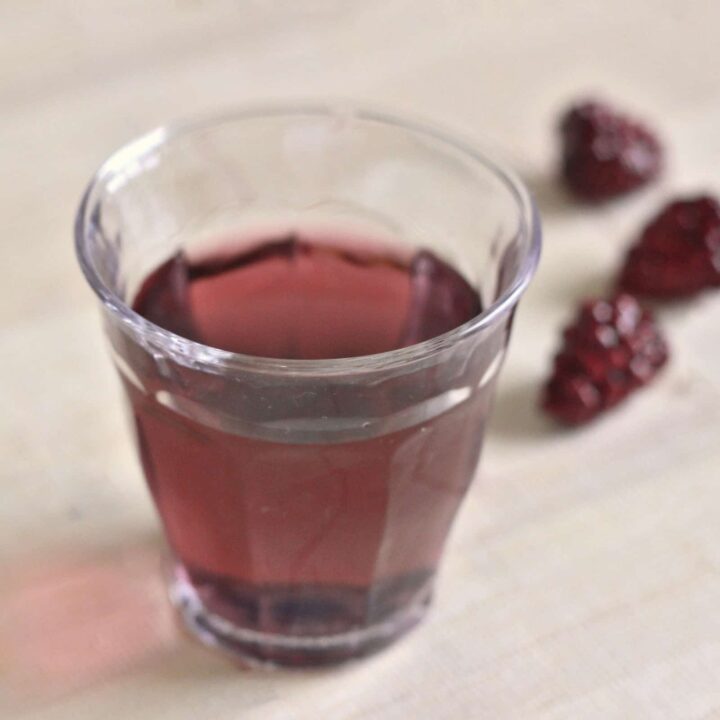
606	154
612	348
678	252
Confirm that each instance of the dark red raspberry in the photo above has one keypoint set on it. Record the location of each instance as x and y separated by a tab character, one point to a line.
612	348
606	154
678	252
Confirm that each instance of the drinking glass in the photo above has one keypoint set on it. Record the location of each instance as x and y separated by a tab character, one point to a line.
306	503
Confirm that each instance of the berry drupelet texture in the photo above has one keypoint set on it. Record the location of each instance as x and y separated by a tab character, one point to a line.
678	252
611	349
606	154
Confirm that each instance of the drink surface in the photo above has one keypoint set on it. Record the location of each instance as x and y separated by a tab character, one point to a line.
294	299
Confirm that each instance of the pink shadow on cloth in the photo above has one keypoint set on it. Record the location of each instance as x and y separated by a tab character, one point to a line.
70	623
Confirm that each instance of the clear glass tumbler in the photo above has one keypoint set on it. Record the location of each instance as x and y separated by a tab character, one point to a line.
306	502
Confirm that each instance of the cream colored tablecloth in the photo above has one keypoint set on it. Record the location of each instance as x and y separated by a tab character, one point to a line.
583	576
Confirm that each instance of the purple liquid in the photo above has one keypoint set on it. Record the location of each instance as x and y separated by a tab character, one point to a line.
295	537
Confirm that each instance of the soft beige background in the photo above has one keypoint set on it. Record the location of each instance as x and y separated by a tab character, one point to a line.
583	577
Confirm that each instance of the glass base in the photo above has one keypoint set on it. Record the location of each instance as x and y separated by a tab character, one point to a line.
270	650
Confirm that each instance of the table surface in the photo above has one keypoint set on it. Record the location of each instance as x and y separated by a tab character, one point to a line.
583	575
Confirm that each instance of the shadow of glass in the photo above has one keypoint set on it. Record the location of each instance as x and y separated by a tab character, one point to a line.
580	286
551	197
517	414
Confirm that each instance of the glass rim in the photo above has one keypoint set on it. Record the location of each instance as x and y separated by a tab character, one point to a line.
191	352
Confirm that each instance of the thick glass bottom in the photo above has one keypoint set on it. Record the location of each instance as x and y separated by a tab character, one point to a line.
305	622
